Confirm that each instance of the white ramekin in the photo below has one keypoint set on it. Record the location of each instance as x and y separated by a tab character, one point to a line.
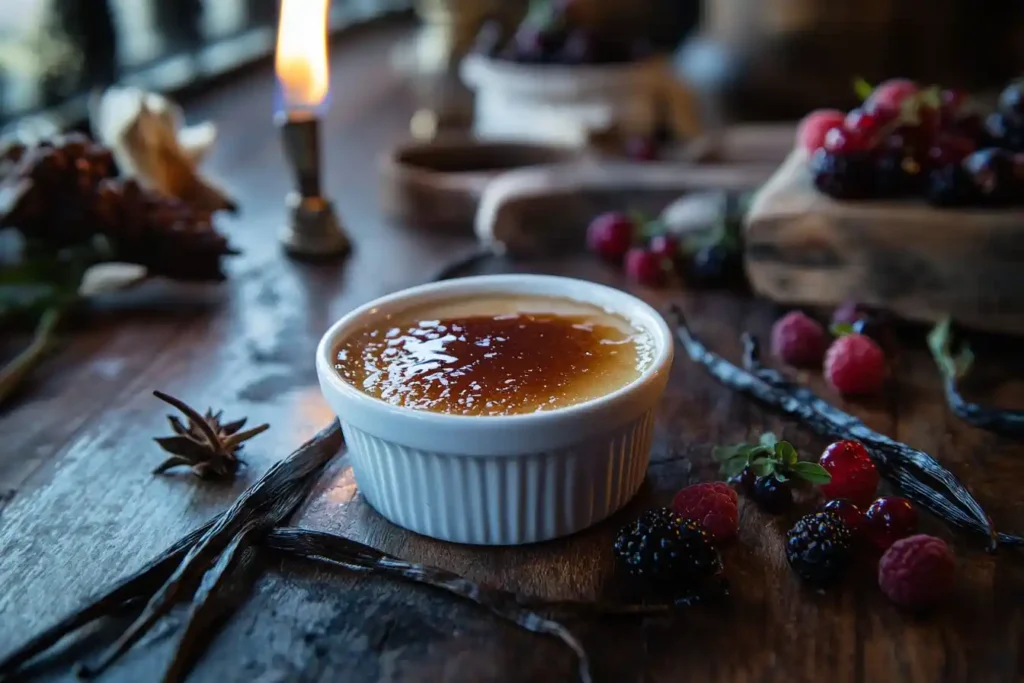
500	480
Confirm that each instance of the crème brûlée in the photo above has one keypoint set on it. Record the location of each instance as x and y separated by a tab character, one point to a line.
492	355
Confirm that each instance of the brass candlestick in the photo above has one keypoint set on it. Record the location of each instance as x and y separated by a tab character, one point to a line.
313	229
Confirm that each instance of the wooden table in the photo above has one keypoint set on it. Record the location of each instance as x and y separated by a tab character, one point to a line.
79	507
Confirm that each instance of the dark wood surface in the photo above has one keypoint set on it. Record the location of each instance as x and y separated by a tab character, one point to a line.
79	507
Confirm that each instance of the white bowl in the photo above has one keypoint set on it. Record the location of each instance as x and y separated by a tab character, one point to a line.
500	480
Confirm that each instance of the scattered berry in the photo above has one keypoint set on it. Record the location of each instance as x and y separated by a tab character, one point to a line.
849	513
610	235
1004	132
745	480
664	246
713	506
855	364
666	550
810	134
819	547
711	265
771	495
949	149
646	267
898	174
888	96
951	185
1011	101
798	339
888	520
854	476
843	176
917	572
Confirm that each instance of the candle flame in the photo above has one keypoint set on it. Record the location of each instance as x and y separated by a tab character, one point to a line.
301	59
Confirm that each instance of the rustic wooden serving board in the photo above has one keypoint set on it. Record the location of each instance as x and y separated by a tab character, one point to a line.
921	263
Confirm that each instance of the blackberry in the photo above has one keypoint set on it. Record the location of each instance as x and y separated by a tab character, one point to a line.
951	185
898	174
771	495
843	176
818	547
1004	131
992	173
669	553
713	266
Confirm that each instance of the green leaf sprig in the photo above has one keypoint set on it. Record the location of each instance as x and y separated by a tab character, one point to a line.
769	457
954	363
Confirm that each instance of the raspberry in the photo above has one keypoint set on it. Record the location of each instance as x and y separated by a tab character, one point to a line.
810	134
646	267
798	339
611	235
712	505
855	364
917	571
854	476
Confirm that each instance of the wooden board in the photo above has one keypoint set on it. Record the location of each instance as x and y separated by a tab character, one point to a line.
79	507
922	263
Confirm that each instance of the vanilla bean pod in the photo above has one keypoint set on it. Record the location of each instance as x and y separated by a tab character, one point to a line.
223	589
352	555
954	366
145	583
921	477
272	499
140	585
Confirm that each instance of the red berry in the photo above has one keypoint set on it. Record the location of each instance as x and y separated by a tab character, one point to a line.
917	572
810	134
842	141
851	515
610	235
855	364
712	505
861	121
798	339
888	520
854	476
665	246
646	267
888	96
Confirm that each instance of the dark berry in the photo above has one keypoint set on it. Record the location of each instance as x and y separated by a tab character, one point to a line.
889	519
711	266
1011	101
951	185
1002	131
646	267
744	481
992	173
950	149
819	547
664	246
849	513
668	553
771	495
610	235
854	476
898	174
843	176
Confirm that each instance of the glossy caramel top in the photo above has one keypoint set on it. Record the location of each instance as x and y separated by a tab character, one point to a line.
492	355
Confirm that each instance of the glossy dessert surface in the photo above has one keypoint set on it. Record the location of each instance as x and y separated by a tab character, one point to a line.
494	355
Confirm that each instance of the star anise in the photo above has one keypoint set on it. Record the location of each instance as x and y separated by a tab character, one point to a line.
205	445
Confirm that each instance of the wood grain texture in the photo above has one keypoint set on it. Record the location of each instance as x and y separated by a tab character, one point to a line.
922	263
78	451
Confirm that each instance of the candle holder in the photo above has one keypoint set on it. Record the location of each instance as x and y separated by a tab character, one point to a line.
313	229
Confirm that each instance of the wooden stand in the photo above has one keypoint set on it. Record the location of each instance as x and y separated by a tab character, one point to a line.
921	263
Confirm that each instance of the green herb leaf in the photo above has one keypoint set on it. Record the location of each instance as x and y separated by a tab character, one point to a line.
763	466
812	472
731	468
780	476
786	453
841	329
862	88
769	440
725	453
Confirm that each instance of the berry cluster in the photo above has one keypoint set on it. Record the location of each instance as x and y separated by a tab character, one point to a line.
905	140
651	256
854	363
556	32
